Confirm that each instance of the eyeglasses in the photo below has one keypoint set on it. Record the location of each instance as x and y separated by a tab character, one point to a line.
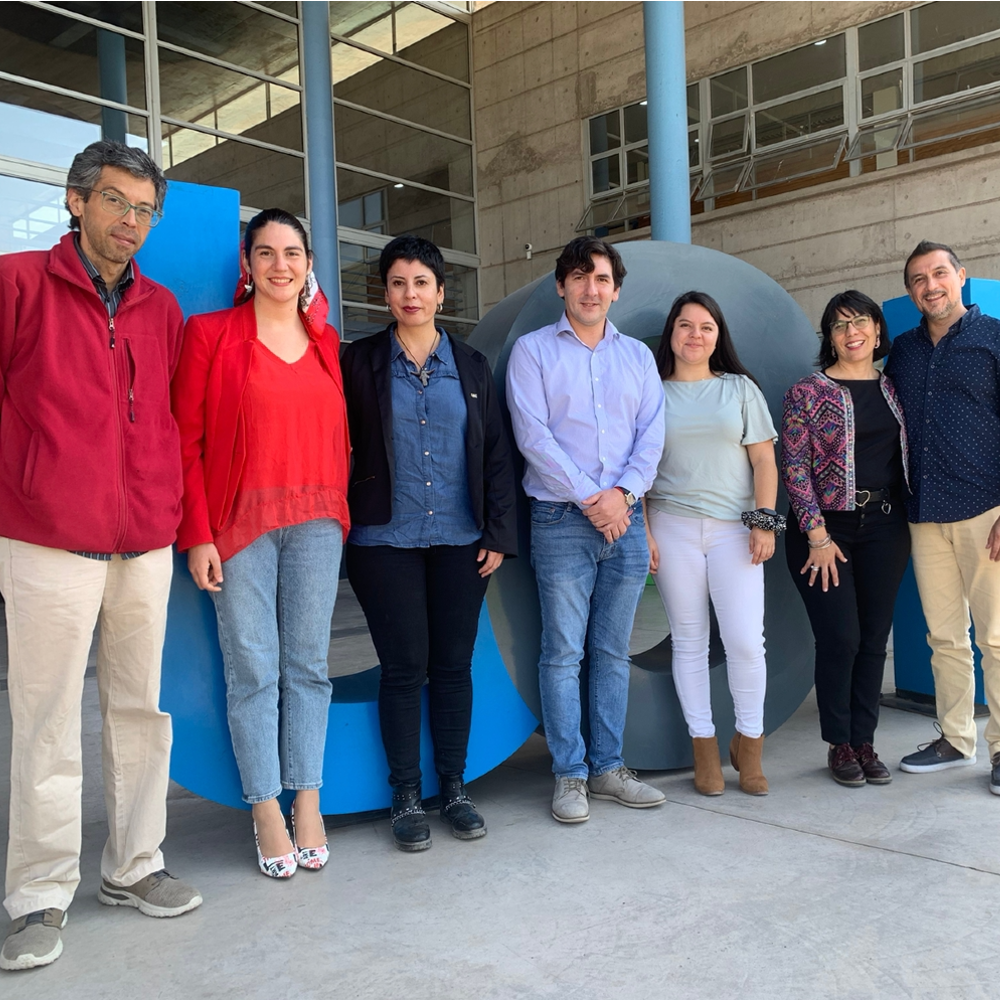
860	323
117	205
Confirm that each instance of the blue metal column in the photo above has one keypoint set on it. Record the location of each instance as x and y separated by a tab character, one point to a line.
321	151
666	116
114	83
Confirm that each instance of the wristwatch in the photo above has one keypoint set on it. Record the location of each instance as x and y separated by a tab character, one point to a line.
629	497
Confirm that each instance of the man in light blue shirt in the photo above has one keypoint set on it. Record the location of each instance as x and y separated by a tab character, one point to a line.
587	410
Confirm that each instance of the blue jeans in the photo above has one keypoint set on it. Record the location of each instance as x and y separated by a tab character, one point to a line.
274	613
588	589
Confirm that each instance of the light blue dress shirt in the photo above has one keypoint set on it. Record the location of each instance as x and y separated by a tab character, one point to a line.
584	420
430	502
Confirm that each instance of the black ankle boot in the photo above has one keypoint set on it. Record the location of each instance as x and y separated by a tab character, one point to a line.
459	810
409	824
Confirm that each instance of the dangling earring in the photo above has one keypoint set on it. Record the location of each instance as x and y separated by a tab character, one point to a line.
878	340
248	286
440	307
833	351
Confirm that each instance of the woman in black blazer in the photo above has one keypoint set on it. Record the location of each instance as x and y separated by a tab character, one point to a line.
431	496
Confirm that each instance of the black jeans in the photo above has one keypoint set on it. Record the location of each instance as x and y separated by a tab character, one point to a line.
422	607
851	622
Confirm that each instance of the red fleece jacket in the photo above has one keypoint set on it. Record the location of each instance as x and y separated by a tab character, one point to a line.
89	450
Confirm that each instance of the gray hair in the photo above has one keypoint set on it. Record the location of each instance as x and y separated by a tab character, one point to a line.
87	166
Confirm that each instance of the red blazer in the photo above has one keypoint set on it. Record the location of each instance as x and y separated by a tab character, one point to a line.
207	394
89	455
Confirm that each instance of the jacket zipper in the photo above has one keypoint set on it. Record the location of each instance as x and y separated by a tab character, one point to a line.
131	383
119	431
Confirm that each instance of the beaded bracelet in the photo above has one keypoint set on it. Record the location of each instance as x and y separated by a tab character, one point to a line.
768	520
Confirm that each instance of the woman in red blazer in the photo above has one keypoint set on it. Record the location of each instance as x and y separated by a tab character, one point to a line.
259	402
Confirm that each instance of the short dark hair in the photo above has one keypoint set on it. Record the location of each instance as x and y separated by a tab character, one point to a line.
411	248
853	303
724	359
279	215
922	249
578	255
88	164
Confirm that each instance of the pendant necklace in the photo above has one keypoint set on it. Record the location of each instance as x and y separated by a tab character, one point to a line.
423	372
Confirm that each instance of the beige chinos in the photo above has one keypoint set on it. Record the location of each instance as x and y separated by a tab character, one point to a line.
54	600
955	575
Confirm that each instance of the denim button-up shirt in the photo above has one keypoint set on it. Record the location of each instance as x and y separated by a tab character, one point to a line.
430	503
951	398
585	420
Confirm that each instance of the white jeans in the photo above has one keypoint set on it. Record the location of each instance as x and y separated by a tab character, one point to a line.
702	557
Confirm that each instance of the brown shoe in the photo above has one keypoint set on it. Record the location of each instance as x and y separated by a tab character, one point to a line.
707	767
876	773
845	766
744	754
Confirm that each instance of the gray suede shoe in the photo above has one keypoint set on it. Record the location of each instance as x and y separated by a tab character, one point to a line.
569	802
622	786
33	940
156	895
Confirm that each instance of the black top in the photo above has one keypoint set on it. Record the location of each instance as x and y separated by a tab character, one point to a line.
950	394
878	455
492	486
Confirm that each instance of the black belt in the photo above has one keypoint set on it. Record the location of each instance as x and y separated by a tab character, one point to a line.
864	497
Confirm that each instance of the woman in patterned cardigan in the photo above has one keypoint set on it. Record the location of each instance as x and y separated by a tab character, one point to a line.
844	465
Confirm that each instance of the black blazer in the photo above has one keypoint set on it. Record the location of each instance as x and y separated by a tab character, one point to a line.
365	368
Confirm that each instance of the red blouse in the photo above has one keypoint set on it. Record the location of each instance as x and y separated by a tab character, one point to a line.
292	418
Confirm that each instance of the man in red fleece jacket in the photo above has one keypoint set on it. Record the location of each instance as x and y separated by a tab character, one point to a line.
90	500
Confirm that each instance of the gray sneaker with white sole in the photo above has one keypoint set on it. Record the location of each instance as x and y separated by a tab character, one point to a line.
34	939
156	895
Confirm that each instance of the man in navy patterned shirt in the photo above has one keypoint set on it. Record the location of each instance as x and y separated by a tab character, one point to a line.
947	374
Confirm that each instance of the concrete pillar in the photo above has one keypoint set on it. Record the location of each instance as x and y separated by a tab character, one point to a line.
114	84
321	151
666	116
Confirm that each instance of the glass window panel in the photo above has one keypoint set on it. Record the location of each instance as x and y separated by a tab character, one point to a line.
882	93
262	176
694	105
937	24
958	120
800	69
368	23
694	148
282	7
234	33
729	137
124	15
881	42
391	87
606	173
722	180
430	39
800	117
598	214
605	132
800	161
976	66
635	124
48	128
637	165
634	207
875	139
448	222
359	323
32	215
41	45
728	93
388	147
205	94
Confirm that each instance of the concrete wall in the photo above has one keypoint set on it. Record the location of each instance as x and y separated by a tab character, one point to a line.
542	68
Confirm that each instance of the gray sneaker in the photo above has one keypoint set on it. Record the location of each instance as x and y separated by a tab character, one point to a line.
938	755
33	940
621	785
156	895
569	803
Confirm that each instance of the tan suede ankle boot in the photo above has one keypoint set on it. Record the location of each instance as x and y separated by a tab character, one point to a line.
744	754
707	768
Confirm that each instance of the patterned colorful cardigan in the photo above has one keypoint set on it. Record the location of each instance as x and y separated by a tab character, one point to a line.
817	446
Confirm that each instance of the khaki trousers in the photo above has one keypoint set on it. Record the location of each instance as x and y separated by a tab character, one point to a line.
53	602
955	575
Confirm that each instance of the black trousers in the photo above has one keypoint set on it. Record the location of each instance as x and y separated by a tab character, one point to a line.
851	622
422	607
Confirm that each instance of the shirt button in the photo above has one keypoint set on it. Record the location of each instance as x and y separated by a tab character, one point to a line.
426	452
423	421
429	512
428	484
602	431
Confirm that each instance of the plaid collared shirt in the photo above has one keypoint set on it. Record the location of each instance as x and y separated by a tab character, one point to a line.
111	299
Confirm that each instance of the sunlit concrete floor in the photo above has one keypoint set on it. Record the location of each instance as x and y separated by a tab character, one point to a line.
815	891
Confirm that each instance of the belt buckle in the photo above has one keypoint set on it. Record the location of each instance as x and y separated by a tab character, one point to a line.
862	503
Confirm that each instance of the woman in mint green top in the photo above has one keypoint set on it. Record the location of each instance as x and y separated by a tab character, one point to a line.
718	463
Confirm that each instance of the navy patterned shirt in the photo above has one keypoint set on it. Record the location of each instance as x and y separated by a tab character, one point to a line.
951	398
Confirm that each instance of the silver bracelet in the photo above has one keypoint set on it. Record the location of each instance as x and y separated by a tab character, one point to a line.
822	544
